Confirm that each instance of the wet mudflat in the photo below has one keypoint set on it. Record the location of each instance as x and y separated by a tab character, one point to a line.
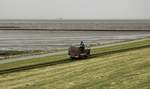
47	40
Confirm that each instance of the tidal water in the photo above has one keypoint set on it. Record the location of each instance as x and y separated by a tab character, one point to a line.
47	40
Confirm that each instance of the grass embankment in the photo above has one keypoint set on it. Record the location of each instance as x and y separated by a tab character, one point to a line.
121	70
63	58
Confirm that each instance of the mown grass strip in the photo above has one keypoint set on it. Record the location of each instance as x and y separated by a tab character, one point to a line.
64	58
32	63
121	46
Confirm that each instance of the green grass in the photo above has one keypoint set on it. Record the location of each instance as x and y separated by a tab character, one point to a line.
14	66
120	70
122	46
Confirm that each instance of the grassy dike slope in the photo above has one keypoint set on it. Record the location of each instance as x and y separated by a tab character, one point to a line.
120	70
63	58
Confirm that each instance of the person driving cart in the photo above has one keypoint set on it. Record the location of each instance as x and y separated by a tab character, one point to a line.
79	51
82	46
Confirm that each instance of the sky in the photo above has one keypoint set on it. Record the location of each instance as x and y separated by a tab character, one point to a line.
74	9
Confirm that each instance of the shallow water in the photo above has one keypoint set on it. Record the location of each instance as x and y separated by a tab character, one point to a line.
47	40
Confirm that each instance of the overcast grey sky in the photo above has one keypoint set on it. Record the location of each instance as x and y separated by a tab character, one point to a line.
75	9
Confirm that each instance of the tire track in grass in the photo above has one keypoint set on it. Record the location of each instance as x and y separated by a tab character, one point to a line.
68	66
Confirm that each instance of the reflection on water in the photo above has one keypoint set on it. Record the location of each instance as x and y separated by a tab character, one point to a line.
27	40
